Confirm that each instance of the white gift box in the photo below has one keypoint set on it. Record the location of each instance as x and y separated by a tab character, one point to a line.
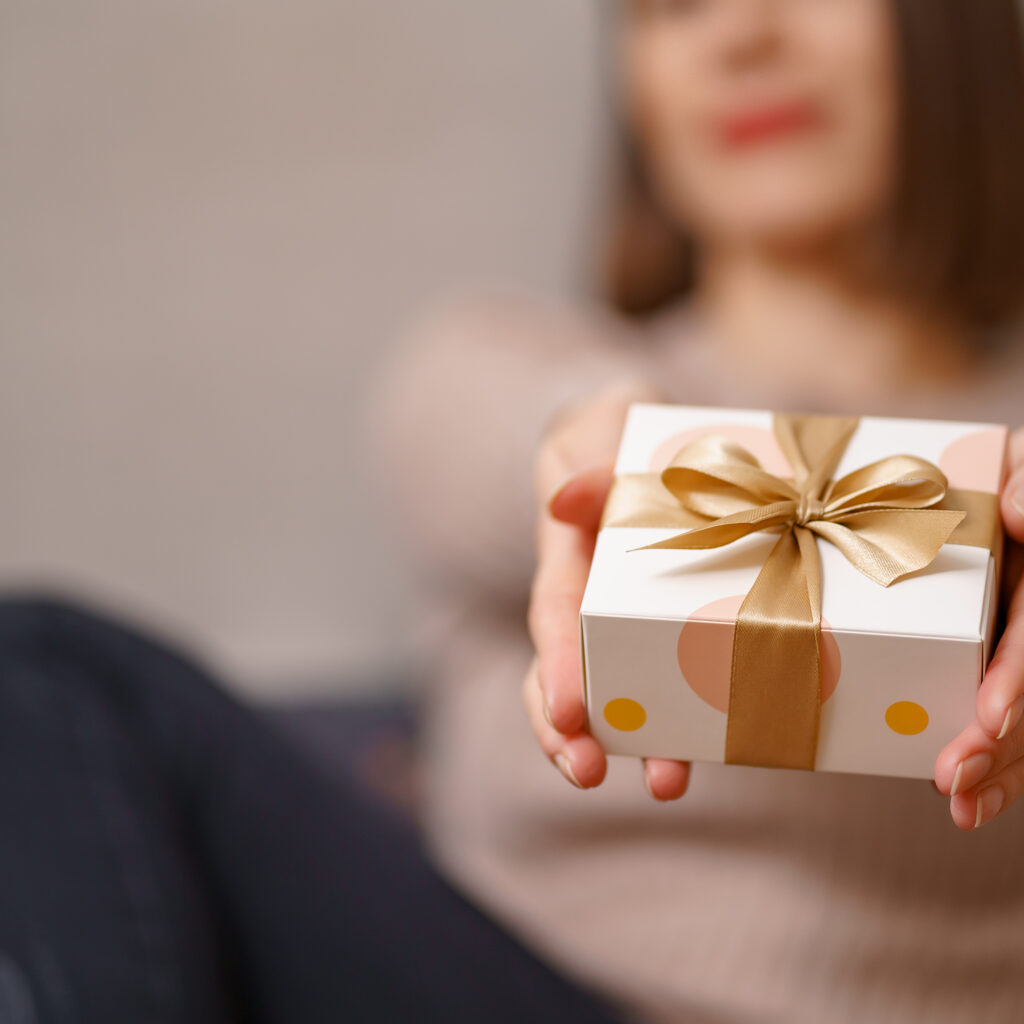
900	664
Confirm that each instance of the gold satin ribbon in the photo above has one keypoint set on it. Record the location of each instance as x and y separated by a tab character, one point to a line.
889	519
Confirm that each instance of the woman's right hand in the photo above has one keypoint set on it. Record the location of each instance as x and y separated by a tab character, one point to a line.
573	473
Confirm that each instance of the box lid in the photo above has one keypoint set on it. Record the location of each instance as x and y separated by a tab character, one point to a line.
945	599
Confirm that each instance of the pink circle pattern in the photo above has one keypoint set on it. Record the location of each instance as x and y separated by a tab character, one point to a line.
975	461
704	652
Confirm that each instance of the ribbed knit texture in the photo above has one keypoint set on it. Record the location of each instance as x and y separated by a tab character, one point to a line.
762	895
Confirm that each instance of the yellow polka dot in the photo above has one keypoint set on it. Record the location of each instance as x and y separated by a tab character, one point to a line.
624	714
906	717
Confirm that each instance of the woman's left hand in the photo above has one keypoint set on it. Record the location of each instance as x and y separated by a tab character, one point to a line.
982	770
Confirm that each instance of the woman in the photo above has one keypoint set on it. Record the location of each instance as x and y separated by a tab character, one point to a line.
168	856
823	212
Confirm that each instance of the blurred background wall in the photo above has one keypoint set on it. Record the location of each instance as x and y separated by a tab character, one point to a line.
215	218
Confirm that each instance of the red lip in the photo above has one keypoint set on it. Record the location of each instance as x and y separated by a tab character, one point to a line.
766	123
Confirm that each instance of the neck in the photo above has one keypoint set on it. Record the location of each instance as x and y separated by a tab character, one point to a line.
801	318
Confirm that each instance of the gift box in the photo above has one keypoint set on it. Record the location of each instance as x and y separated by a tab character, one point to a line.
793	591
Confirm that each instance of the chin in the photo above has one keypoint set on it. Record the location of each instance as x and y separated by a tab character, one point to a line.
778	203
796	222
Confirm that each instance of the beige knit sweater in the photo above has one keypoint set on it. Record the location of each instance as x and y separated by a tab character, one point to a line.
762	895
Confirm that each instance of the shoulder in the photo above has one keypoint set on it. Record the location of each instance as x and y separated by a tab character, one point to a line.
514	349
529	323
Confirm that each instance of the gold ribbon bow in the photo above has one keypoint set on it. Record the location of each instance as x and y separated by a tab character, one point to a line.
883	517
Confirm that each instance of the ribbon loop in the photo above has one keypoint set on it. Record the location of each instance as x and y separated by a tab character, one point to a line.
903	481
716	477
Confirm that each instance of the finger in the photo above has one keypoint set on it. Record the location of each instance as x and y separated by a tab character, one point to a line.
993	797
579	756
954	761
1000	701
564	555
666	780
974	757
580	500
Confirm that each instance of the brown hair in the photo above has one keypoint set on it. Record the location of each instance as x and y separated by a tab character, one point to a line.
956	227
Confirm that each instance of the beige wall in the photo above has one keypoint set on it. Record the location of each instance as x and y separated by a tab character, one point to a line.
214	217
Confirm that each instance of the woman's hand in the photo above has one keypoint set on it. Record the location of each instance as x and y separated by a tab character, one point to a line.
573	474
982	770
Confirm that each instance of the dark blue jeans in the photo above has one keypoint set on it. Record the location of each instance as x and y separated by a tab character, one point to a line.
168	855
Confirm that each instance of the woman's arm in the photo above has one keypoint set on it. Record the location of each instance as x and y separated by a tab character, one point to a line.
455	422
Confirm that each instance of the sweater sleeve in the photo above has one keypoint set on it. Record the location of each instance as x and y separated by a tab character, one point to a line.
456	418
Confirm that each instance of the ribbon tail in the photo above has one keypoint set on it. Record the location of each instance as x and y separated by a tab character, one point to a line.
775	690
888	544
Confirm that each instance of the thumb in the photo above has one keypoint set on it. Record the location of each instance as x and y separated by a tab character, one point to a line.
580	500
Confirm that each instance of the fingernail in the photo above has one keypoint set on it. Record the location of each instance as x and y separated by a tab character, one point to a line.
565	767
1013	713
647	781
547	710
990	803
956	779
559	489
970	771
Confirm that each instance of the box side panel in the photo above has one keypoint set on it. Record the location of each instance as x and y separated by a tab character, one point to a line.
636	660
898	700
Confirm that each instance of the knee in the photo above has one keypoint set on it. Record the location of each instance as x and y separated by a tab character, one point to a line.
103	654
34	621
